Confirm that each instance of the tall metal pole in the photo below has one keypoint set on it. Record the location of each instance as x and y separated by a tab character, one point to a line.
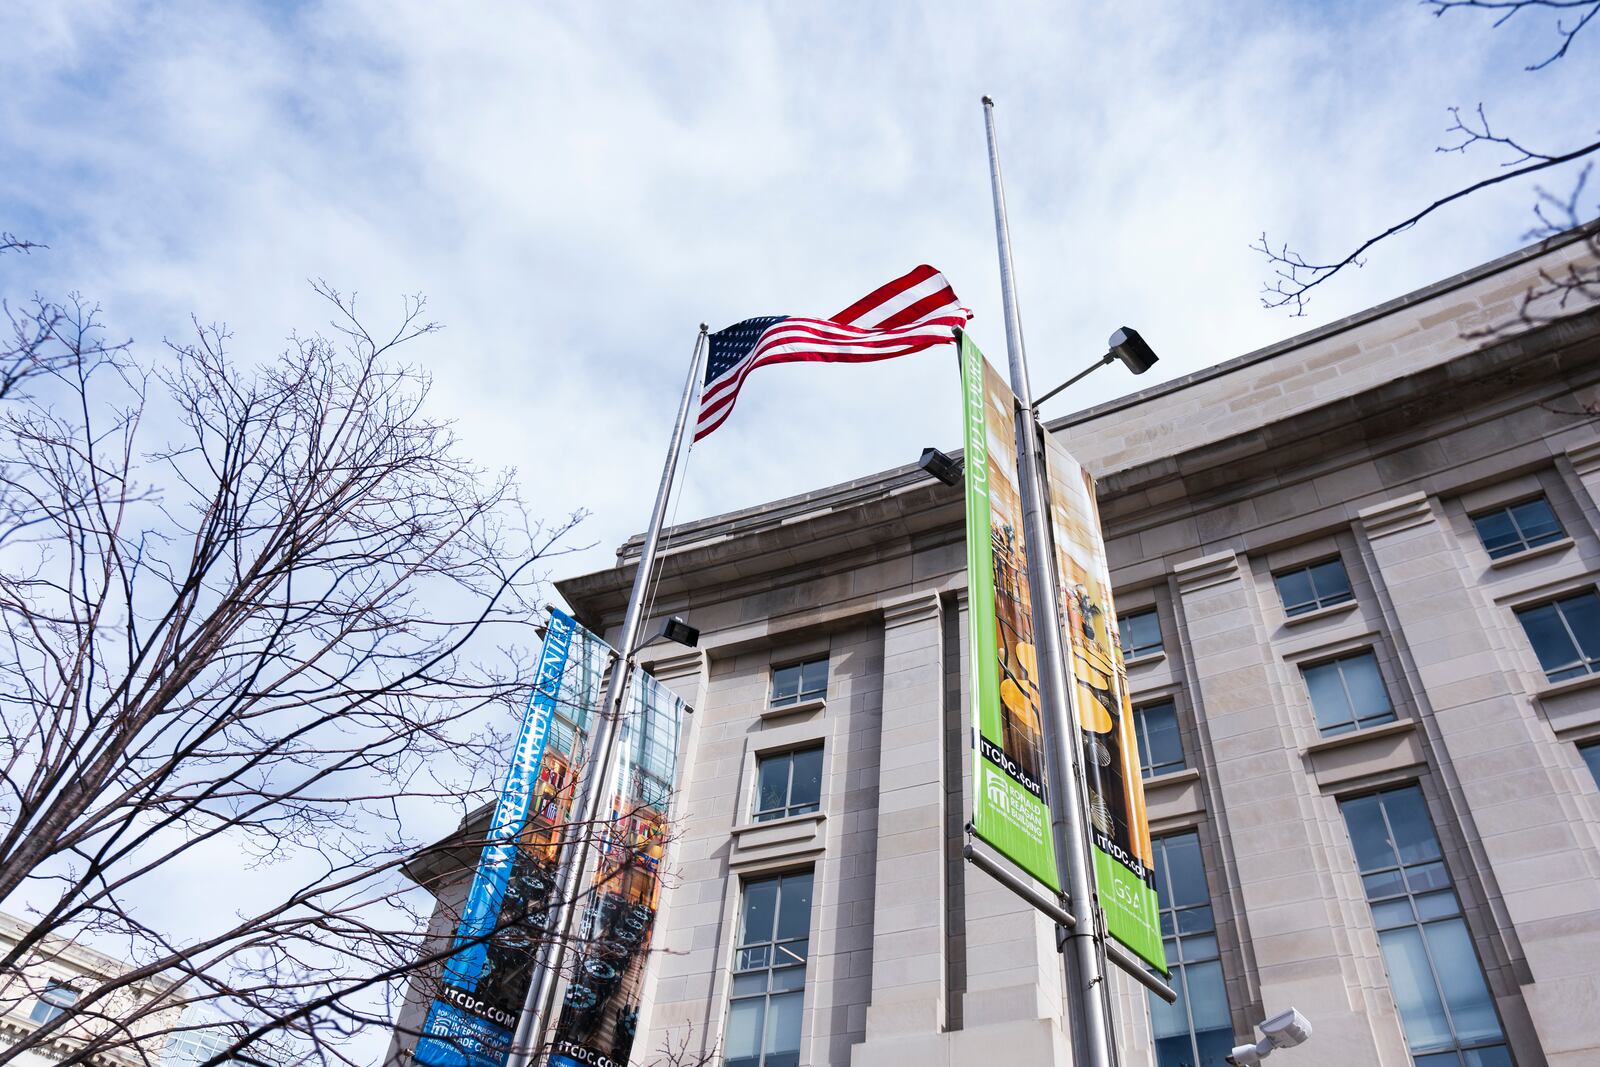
600	766
1086	975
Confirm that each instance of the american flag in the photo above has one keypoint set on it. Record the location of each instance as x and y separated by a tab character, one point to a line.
915	311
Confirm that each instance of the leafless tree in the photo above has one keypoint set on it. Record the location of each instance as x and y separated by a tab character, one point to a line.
1294	275
250	615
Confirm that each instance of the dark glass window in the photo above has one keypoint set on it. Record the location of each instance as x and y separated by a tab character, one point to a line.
788	783
799	682
769	973
1591	756
1348	694
1160	748
1321	585
1445	1007
1140	633
1565	635
1509	530
54	1001
1195	1030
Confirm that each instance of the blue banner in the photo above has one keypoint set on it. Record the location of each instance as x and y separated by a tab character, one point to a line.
470	1023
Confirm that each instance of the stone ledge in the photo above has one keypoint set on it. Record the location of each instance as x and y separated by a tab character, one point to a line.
1175	795
1328	612
1207	571
1146	660
1355	737
1393	516
1338	760
1585	458
1530	553
1570	685
803	707
779	840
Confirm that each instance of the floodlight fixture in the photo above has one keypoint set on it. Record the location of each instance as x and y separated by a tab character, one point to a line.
1135	353
946	468
680	632
1125	344
1284	1030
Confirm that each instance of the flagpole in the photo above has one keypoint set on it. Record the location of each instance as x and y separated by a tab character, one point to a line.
1085	972
599	767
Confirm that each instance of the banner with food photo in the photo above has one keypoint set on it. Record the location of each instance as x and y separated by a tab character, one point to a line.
600	1011
1119	827
1009	800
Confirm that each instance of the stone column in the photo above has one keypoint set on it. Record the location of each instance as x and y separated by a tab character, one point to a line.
1497	760
1274	825
908	964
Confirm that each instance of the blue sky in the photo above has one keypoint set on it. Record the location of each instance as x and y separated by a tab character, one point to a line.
575	187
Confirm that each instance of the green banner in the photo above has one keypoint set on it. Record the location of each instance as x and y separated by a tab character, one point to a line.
1009	809
1119	828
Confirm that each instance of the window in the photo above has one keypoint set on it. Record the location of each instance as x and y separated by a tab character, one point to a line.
769	973
1160	750
1140	634
1445	1007
1509	530
799	682
54	1001
1195	1030
1565	635
1321	585
788	783
1348	694
1591	756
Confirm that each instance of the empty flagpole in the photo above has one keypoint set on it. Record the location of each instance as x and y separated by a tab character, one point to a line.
600	766
1087	993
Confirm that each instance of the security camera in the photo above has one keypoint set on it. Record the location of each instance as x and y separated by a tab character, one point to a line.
1244	1056
1285	1030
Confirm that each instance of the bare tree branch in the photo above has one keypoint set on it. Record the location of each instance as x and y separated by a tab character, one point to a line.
1566	29
1295	276
266	613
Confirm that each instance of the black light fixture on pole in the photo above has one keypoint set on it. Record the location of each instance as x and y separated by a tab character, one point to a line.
1125	344
946	468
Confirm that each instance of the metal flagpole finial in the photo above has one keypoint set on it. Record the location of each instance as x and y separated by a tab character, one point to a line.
988	101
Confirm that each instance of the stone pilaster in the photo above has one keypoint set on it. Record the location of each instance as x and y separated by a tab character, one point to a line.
908	952
1498	761
1585	460
1274	819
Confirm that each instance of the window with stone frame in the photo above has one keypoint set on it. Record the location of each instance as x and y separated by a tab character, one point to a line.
767	990
788	783
1160	747
1565	635
1347	693
54	1002
1591	756
1314	586
1196	1030
1506	531
1139	633
797	683
1446	1009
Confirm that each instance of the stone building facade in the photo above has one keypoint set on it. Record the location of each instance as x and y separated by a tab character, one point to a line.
1345	566
48	982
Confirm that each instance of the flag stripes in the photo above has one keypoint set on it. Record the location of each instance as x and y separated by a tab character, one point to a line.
915	311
